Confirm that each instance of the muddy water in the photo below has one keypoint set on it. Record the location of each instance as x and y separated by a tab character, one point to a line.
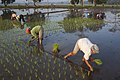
108	39
107	36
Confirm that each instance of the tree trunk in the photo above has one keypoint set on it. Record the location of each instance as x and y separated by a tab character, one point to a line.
94	2
82	2
5	3
34	4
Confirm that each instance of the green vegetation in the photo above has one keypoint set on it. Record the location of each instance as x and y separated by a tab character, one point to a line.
5	24
60	6
6	2
98	61
73	24
55	48
28	62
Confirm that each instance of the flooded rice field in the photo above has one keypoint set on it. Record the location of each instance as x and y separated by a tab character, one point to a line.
20	61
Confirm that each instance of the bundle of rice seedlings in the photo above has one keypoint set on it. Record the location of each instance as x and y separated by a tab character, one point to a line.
55	48
98	61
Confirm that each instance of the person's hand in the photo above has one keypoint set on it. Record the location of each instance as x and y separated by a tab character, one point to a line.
32	37
65	57
91	69
91	59
83	59
29	42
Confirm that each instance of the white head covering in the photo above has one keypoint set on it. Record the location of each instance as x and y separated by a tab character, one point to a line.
96	48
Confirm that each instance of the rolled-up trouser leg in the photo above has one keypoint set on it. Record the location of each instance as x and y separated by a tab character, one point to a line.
40	36
76	48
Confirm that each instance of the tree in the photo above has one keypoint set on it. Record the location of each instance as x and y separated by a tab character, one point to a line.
36	1
101	1
94	2
82	2
6	2
74	2
90	1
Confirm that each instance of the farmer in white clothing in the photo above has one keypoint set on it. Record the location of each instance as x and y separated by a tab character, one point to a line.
87	47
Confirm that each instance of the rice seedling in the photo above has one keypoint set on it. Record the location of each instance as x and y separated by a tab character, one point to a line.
43	66
64	62
36	75
64	72
53	78
53	73
83	74
55	61
76	72
42	73
7	60
53	67
88	73
25	74
31	72
46	76
18	63
33	67
23	66
35	62
48	70
55	48
59	70
13	58
4	65
1	61
71	76
98	61
48	64
70	68
59	64
30	78
59	75
18	78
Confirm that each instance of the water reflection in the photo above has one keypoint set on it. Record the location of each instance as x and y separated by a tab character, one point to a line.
36	18
79	20
115	27
5	20
85	13
116	22
9	19
17	20
82	70
6	14
6	2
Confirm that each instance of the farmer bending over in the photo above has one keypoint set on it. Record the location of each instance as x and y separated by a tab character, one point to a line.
88	48
37	33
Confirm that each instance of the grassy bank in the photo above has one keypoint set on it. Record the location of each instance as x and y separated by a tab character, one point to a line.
18	6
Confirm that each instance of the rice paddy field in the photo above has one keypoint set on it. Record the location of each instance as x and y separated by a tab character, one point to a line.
20	61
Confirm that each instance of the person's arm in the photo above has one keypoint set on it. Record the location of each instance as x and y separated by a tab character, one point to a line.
32	39
91	59
40	41
33	33
91	69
